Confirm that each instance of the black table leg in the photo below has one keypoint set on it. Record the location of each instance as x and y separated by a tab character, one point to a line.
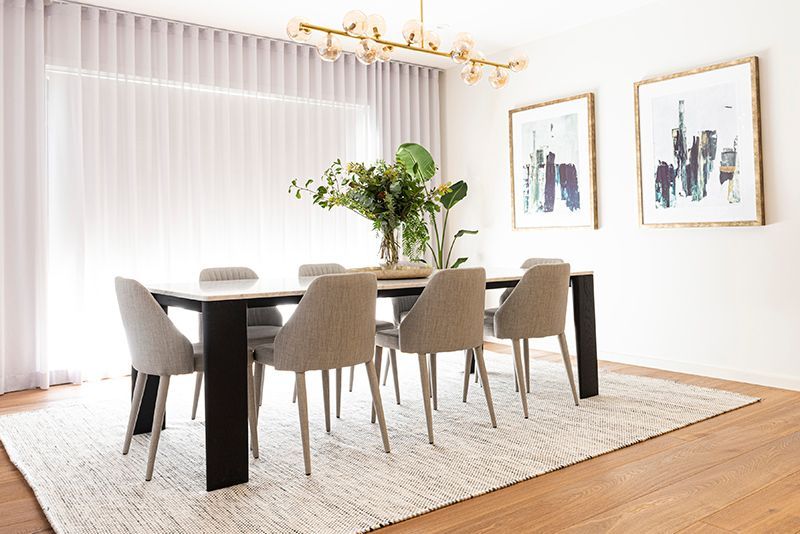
585	333
144	421
225	366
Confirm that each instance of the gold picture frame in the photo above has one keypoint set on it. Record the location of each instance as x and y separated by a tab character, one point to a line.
591	159
758	199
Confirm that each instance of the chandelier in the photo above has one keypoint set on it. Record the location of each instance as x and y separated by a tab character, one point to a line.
372	46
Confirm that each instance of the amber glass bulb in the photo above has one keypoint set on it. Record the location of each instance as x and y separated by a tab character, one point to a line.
329	48
384	53
471	73
355	23
459	56
518	62
498	78
376	26
432	40
367	51
295	32
412	31
465	40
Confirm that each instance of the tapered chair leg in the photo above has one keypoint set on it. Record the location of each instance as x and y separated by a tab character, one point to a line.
520	376
426	394
467	366
294	393
378	358
475	369
516	381
136	403
326	398
198	381
258	379
352	375
302	408
485	381
386	371
158	421
252	408
393	362
526	350
434	394
376	401
338	392
562	340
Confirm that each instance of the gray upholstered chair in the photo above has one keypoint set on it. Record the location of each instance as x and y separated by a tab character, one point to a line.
157	348
317	269
263	324
537	307
448	316
400	308
333	327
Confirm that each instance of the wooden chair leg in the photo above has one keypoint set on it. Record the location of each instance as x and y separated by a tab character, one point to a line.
198	381
526	350
516	381
302	408
294	394
485	381
338	392
259	371
252	408
520	376
136	403
158	421
386	371
467	366
378	358
393	361
376	401
562	340
434	394
426	394
352	374
475	369
326	398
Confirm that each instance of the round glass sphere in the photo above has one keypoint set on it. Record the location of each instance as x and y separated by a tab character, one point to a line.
295	32
459	56
355	23
432	40
498	78
412	31
384	53
518	62
465	40
376	26
471	73
329	48
367	51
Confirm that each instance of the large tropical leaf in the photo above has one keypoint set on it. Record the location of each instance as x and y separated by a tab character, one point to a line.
416	160
457	192
458	262
464	232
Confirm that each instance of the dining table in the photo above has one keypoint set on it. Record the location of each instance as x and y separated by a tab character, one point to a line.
224	308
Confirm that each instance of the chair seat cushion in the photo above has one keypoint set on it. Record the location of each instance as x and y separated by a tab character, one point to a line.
488	321
383	325
261	334
265	354
389	338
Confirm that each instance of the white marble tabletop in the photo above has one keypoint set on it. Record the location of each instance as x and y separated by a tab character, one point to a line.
292	286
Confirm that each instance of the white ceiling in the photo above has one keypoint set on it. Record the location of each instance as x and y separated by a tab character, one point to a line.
495	24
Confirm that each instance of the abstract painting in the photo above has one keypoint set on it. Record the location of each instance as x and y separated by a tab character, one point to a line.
553	164
699	147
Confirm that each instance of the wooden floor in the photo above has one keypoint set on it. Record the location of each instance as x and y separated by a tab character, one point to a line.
738	472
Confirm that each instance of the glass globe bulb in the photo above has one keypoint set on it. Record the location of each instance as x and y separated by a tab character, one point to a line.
295	32
329	48
376	26
367	51
518	62
385	53
411	31
471	73
498	78
465	40
431	40
355	23
459	56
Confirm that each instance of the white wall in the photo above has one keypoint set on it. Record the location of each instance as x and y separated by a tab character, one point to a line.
712	301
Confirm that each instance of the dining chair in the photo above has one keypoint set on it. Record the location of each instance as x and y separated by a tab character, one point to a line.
158	349
537	307
333	327
527	264
400	308
263	323
318	269
448	316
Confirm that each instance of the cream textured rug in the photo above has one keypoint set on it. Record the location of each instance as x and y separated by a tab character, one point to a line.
70	453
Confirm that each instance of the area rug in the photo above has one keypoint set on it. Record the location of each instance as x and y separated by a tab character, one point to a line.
70	453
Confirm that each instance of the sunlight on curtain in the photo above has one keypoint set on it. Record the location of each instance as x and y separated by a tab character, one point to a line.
170	148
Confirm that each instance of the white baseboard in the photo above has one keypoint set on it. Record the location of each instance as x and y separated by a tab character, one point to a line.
712	371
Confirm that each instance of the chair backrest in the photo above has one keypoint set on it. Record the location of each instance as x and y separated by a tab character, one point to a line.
156	345
448	315
255	316
318	269
333	325
527	264
401	306
537	307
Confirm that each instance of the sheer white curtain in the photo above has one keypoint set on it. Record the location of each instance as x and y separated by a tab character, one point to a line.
170	148
23	362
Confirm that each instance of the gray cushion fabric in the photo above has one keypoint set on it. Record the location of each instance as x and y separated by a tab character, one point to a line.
527	264
383	325
318	269
488	321
389	338
259	335
265	354
401	306
198	356
269	315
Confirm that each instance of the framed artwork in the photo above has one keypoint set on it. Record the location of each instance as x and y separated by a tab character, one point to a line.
698	147
553	164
